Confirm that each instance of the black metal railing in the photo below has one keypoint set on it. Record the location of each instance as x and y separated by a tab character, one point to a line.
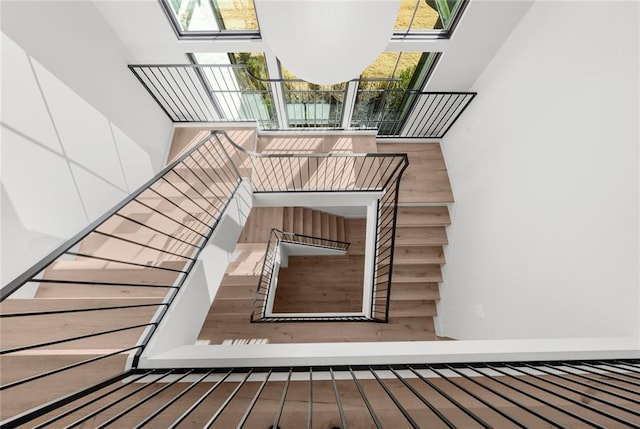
372	172
598	394
432	115
229	92
269	273
385	242
321	172
103	292
206	93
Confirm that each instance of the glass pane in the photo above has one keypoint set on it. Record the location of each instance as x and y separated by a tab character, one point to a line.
420	15
239	86
214	15
311	105
237	14
382	99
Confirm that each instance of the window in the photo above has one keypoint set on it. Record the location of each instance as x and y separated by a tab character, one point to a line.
238	86
310	105
207	16
386	89
417	16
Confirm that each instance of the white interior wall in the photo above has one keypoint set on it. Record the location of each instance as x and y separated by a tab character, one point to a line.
79	132
544	167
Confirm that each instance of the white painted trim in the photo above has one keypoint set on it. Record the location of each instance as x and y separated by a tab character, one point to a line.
315	199
369	259
332	314
319	132
405	140
273	282
216	125
283	251
252	355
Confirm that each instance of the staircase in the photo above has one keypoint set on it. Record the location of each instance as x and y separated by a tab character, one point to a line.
314	223
418	258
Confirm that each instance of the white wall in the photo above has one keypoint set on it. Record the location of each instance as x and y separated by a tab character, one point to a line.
79	133
544	168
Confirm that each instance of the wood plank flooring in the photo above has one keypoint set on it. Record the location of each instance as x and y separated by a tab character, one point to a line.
320	284
426	179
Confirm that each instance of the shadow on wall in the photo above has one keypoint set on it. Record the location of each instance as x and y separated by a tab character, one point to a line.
63	163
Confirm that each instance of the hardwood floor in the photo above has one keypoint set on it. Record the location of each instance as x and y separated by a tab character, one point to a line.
426	179
320	284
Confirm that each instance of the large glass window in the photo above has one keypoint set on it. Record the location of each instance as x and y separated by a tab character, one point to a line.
423	15
384	93
239	87
202	17
311	105
212	15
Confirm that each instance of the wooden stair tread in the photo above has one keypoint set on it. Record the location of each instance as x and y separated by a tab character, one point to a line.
242	280
418	255
418	273
423	216
412	308
414	291
421	236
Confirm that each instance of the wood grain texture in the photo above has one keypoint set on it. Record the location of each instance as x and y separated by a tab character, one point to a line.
320	284
426	179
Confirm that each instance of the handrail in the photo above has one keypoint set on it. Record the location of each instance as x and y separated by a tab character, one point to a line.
263	292
577	393
314	172
339	244
231	92
306	155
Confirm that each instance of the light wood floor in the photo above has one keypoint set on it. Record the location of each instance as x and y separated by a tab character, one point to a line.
426	179
320	284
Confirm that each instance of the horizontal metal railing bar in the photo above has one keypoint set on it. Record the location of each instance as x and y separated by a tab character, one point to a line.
55	254
97	283
420	397
193	406
156	230
590	385
628	372
585	394
69	339
395	401
30	415
623	380
479	399
78	310
117	237
535	386
449	398
244	68
504	396
122	385
322	239
64	368
117	401
178	206
404	385
119	261
146	398
173	400
417	366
